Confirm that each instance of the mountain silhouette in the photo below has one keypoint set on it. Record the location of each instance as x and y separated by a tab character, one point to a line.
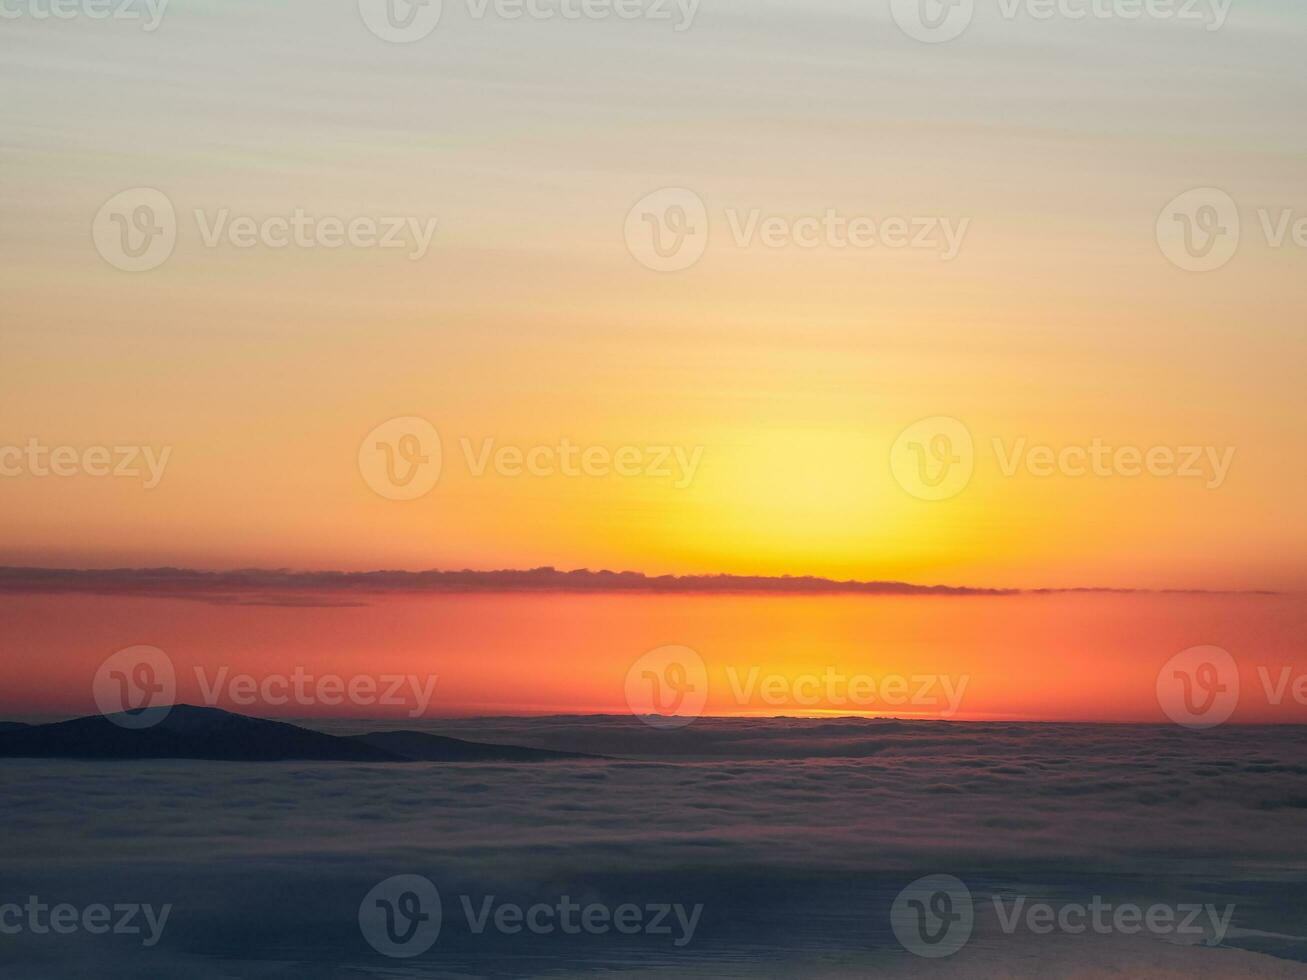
188	732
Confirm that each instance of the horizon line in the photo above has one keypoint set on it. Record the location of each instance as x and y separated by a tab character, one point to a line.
283	586
609	715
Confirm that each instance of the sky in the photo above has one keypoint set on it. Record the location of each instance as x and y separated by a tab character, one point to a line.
787	375
1100	658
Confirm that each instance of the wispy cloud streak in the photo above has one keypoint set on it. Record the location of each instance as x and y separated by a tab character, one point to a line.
285	587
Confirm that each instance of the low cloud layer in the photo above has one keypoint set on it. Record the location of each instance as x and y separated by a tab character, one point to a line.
795	838
285	587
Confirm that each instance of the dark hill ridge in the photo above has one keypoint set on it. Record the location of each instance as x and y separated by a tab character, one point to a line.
184	733
212	734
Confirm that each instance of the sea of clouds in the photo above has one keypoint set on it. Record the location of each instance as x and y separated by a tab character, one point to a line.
794	836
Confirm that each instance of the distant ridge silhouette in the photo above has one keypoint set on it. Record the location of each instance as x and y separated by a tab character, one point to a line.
188	732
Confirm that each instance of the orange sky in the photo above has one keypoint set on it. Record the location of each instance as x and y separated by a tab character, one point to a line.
807	385
1052	657
793	370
